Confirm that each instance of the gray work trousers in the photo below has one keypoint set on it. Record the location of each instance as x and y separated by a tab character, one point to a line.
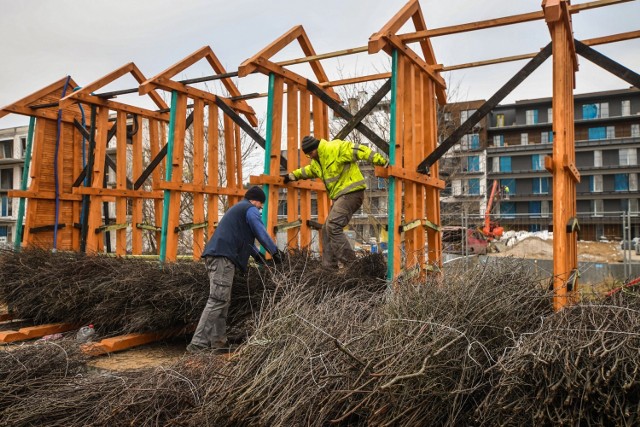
335	245
212	327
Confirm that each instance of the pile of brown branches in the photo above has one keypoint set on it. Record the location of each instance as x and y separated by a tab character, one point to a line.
26	369
358	358
129	295
580	367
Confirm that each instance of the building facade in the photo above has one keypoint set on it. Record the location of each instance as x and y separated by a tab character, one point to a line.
13	143
607	137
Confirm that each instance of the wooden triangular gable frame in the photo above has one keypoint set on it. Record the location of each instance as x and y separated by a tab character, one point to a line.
163	80
43	96
85	94
387	39
296	33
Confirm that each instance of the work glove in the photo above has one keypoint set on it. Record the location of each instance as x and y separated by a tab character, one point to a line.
259	258
278	257
289	177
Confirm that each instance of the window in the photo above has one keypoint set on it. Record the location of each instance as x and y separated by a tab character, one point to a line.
456	187
628	157
447	117
544	208
595	183
5	205
597	133
535	208
549	115
626	108
633	207
382	183
507	209
537	162
499	120
597	158
465	114
498	140
595	111
4	231
496	164
633	182
635	131
475	141
473	163
505	164
23	145
540	185
6	149
510	183
546	137
524	139
597	206
474	186
314	207
6	179
611	132
621	182
531	117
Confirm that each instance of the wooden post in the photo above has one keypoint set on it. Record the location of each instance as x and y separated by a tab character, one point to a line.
293	213
272	157
565	175
168	174
137	213
23	184
121	181
302	161
95	239
395	189
198	176
212	169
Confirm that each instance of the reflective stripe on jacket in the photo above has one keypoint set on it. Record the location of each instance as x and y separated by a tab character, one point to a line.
337	166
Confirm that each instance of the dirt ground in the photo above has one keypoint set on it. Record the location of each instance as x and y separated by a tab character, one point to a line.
536	248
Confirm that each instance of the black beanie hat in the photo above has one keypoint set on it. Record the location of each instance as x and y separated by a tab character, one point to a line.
309	144
255	193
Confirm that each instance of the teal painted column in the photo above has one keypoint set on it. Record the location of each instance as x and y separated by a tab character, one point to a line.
168	172
267	147
392	161
23	184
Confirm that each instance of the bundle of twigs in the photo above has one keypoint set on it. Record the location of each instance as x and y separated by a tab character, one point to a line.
579	368
350	358
29	368
130	295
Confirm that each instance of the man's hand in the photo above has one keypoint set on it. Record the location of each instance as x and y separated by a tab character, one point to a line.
278	257
289	177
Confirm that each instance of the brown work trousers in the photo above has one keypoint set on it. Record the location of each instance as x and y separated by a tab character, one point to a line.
335	245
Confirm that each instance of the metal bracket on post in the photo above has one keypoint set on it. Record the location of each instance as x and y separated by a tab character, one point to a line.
573	225
431	225
287	226
409	225
190	226
111	227
149	227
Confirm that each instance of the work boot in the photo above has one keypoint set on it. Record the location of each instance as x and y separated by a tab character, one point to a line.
196	348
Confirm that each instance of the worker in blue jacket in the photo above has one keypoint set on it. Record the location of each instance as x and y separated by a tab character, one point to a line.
229	248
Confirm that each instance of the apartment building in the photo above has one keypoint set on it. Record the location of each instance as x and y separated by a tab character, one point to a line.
607	135
13	142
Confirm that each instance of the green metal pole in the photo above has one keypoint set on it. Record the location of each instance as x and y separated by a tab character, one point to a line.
392	161
267	146
23	185
168	172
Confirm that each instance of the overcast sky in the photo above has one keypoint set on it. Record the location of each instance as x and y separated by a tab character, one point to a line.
43	41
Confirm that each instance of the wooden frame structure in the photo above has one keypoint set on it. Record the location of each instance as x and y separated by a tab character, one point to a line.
55	215
301	106
54	145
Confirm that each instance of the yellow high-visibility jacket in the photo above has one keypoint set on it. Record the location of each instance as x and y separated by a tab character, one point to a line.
337	166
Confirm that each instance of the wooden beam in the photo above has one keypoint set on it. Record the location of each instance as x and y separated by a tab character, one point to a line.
484	109
188	187
410	54
35	96
498	22
608	64
249	65
364	111
376	41
44	195
277	180
118	106
345	114
115	192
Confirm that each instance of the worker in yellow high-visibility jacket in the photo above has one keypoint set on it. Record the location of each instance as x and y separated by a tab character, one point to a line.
335	163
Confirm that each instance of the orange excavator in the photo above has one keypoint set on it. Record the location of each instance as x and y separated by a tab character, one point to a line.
490	229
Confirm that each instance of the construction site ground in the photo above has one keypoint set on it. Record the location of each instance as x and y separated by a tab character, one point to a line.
537	248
